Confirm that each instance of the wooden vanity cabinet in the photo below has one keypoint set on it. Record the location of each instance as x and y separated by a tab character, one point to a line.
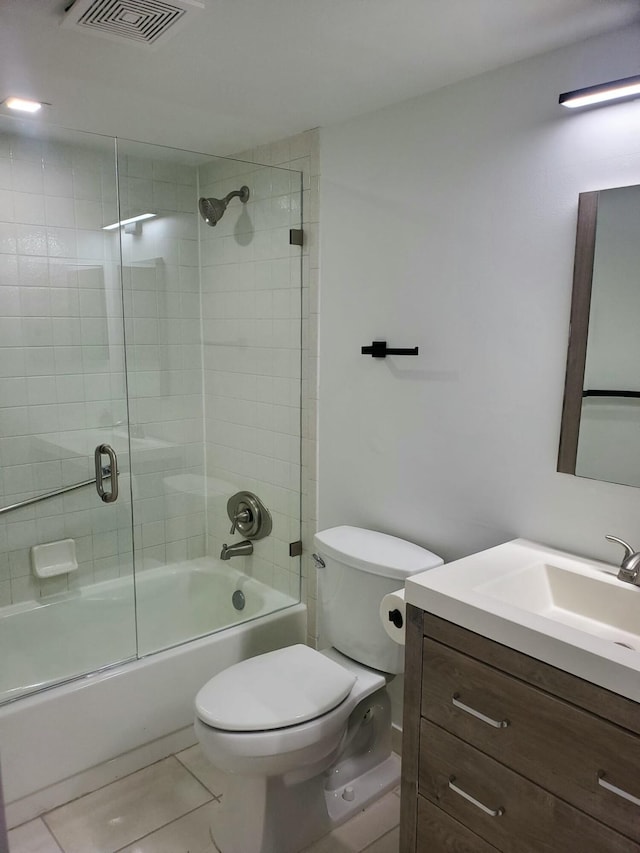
502	752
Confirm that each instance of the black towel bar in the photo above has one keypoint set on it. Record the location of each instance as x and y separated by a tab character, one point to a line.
598	392
379	349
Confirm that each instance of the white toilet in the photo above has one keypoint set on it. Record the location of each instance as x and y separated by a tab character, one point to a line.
305	736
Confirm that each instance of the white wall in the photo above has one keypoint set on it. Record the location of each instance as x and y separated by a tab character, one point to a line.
449	223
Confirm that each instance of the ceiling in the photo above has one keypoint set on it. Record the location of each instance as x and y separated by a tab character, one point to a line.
245	72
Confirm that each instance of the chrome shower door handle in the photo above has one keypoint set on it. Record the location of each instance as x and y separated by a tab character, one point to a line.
112	495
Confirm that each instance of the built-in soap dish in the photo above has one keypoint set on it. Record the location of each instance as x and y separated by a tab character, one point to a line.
54	558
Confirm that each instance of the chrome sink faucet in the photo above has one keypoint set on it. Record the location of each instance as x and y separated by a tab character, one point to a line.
629	571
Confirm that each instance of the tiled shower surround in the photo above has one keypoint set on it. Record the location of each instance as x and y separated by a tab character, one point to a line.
300	153
195	435
164	356
62	385
251	306
61	370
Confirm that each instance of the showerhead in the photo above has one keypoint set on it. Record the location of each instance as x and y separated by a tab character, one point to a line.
212	209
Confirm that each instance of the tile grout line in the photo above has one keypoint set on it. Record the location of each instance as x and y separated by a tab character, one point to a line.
51	833
43	814
216	797
158	828
211	798
381	838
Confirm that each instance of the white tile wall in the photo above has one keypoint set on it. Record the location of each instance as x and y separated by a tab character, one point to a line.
302	152
251	308
164	354
62	368
61	362
62	358
252	305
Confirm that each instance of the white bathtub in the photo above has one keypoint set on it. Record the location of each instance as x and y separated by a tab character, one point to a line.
62	731
65	635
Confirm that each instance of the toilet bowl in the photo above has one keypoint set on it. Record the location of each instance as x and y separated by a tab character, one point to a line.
305	735
252	739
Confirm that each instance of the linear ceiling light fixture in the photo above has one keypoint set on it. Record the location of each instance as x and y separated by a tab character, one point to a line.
616	90
23	105
131	225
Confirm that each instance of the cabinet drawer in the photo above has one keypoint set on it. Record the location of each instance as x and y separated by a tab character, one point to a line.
438	832
586	761
502	807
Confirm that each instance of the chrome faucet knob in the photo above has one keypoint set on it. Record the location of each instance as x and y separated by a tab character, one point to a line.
248	515
240	518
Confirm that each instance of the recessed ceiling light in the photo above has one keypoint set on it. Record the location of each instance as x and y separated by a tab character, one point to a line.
22	105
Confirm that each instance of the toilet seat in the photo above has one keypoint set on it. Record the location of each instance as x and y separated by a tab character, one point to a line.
276	690
280	750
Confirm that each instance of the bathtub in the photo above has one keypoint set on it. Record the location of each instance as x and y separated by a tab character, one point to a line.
62	731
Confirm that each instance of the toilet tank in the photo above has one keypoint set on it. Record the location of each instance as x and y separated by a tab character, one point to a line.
360	568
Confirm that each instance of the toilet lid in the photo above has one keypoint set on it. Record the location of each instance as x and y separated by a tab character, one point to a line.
376	553
274	690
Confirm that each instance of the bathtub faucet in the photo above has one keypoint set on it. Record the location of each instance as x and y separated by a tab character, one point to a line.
238	549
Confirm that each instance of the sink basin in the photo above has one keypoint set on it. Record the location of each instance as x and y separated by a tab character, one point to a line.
602	606
568	611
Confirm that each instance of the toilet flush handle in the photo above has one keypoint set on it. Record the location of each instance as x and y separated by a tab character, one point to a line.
317	559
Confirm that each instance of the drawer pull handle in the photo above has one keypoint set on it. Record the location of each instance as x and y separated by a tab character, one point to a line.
617	791
497	724
491	812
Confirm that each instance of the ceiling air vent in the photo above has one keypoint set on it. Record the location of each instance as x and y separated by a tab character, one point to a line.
144	22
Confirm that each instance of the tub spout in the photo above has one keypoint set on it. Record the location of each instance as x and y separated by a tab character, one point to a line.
238	549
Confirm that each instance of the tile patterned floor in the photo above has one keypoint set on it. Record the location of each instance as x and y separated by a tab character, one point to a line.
169	808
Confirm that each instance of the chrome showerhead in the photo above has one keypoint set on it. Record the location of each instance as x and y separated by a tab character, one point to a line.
212	209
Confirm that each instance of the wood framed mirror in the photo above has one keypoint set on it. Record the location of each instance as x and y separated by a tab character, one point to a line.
600	431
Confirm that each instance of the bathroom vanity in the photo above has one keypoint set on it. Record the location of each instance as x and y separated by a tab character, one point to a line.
502	749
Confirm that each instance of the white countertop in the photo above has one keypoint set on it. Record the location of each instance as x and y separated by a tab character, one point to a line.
463	592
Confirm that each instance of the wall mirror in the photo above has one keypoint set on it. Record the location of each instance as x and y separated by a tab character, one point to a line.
600	433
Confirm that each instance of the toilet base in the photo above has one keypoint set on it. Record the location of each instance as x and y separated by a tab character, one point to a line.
366	789
286	813
296	818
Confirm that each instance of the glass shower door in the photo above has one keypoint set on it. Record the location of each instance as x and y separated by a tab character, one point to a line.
66	567
213	332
